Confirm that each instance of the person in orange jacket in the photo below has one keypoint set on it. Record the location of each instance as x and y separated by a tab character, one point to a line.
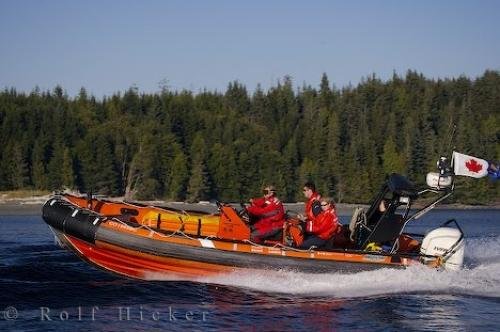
270	215
313	205
323	227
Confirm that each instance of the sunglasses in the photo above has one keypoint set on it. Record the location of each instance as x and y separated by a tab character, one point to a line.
324	204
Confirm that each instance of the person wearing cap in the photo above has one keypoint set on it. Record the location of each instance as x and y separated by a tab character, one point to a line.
322	227
269	213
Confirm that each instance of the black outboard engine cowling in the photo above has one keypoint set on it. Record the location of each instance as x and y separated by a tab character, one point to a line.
71	220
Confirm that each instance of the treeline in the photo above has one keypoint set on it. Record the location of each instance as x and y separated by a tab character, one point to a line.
178	145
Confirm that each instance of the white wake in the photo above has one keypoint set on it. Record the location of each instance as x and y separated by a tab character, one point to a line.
480	277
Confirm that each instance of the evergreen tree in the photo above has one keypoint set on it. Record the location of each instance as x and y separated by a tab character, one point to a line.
178	177
55	167
227	145
148	166
19	172
38	171
392	161
222	167
307	173
289	170
198	187
67	170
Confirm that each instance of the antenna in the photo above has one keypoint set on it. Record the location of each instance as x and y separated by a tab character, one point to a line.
453	130
443	163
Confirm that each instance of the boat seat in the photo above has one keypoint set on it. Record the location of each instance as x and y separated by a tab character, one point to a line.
358	218
387	230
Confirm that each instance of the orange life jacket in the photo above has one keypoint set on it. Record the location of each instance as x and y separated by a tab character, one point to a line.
268	211
314	199
325	225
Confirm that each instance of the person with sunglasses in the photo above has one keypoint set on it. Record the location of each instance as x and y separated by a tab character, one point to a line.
269	213
321	229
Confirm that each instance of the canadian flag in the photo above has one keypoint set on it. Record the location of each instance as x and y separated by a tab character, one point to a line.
469	166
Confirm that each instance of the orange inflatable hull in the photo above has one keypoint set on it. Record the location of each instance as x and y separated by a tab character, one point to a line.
121	238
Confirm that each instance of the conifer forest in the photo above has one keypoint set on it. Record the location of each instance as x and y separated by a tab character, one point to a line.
188	146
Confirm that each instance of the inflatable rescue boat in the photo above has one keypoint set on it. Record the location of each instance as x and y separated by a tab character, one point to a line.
143	241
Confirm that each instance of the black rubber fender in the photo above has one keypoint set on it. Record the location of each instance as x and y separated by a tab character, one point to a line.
72	220
55	211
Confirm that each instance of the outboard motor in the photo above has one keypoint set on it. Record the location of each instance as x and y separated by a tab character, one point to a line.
447	243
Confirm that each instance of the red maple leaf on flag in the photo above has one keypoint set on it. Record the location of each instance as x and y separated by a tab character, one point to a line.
473	166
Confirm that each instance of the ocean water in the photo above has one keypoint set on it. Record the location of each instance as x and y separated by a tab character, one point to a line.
46	288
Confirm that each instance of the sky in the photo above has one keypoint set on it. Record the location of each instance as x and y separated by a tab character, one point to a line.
109	46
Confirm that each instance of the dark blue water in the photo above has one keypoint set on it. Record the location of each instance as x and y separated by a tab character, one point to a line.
45	288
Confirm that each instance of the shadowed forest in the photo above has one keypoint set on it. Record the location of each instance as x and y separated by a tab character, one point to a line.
180	145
